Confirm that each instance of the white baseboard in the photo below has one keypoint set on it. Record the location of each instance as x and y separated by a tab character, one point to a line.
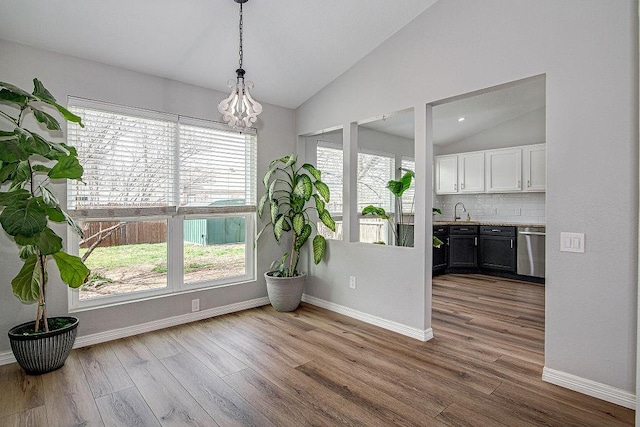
114	334
589	387
6	358
422	335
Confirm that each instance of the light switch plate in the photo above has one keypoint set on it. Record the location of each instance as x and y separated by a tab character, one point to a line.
572	242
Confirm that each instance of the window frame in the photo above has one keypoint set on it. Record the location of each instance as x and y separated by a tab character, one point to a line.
76	304
249	254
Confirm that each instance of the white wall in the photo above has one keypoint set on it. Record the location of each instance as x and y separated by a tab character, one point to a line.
373	141
588	50
332	285
333	137
526	129
65	75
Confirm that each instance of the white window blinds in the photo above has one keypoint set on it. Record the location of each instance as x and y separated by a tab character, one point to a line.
374	172
128	161
147	163
216	166
330	162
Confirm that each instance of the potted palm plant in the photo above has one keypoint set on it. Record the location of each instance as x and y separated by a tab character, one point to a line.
289	190
29	164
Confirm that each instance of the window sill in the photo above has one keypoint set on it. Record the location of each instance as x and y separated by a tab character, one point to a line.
151	296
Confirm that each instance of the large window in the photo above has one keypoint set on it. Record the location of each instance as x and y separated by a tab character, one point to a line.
166	203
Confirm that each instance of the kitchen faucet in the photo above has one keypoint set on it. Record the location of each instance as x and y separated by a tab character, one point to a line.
455	211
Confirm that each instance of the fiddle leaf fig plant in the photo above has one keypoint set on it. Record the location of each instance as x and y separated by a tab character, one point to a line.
289	190
29	164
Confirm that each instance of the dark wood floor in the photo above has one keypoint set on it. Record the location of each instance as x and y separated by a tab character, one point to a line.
314	367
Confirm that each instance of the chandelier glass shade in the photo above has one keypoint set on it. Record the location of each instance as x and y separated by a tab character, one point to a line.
240	110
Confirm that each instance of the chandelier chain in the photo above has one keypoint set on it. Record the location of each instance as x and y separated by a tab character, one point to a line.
240	28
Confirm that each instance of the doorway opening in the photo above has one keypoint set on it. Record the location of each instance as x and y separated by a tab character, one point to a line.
489	159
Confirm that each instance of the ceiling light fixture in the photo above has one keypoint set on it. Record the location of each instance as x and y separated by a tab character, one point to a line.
461	119
240	110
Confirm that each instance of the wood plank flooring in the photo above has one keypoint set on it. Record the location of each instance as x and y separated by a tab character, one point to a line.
314	367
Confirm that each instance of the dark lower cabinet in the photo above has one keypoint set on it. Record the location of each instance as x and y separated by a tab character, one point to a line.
476	249
463	252
463	246
498	248
440	257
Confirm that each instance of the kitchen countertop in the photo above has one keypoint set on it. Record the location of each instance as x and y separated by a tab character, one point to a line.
493	223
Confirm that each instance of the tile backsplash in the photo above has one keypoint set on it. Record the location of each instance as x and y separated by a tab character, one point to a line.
507	207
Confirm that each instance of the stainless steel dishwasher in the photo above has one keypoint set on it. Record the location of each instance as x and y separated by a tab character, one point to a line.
530	260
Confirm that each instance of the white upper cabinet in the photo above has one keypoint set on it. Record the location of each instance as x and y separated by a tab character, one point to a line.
534	167
446	171
503	170
471	172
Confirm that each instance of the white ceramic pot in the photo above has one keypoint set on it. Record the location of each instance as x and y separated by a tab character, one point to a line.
285	293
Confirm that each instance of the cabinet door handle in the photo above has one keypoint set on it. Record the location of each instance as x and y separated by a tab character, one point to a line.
462	185
511	243
447	241
455	187
528	183
495	231
475	241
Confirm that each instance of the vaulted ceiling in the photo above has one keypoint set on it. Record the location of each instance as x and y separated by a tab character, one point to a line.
292	48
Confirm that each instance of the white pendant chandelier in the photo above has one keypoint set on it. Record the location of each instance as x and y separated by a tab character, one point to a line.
240	110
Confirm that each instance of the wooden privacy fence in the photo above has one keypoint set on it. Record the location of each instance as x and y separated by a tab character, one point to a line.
130	233
207	232
227	231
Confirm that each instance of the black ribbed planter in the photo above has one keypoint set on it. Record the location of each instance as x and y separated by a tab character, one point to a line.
45	352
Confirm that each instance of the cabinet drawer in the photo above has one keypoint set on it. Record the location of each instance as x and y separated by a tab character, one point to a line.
440	230
498	231
463	229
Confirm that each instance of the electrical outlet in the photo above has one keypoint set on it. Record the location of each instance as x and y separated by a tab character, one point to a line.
352	282
195	305
517	212
494	211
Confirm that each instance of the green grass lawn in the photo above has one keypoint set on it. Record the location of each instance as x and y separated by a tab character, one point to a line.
131	268
155	253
